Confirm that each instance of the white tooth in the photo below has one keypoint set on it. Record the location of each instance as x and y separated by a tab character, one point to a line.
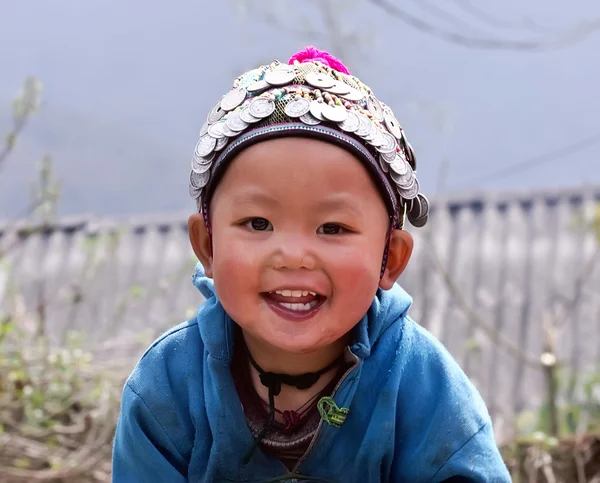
278	292
304	293
286	293
297	307
313	294
296	293
312	304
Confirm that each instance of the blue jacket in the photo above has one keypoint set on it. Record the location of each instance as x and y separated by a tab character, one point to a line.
413	414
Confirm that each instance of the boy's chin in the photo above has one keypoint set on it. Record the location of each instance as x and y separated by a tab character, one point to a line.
295	342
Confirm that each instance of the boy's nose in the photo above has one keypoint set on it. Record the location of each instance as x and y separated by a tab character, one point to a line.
294	253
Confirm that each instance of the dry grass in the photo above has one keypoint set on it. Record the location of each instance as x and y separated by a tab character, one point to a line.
570	460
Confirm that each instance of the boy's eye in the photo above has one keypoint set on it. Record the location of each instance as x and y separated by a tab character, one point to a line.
330	229
258	224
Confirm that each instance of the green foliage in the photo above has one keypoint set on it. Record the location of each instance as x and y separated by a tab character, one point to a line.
577	416
46	192
56	400
58	406
41	383
595	223
26	103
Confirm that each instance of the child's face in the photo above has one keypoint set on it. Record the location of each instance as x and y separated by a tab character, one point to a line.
296	214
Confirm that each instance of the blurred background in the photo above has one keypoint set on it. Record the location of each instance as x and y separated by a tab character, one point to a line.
100	108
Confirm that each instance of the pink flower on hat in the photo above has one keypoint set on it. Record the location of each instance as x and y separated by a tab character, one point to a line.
310	54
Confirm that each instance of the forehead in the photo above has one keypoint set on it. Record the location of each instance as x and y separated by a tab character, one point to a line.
298	169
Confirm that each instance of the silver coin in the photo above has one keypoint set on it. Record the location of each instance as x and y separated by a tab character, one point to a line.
247	117
297	107
320	80
351	124
387	157
379	141
316	109
204	129
284	68
199	180
354	95
424	205
261	107
309	119
406	180
374	107
399	165
420	209
371	135
384	165
233	98
194	192
228	132
410	192
375	139
204	160
365	125
392	124
206	145
280	77
414	209
389	143
216	113
419	222
339	88
235	122
334	113
221	143
410	155
258	86
216	130
200	168
403	180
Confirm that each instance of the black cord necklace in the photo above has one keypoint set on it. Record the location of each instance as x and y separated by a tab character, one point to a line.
273	382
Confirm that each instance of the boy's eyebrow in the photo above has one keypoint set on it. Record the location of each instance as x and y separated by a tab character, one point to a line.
340	202
337	203
255	197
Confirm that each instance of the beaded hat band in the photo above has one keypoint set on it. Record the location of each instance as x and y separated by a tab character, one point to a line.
314	96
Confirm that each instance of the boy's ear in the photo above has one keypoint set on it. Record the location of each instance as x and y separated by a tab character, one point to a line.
200	241
399	252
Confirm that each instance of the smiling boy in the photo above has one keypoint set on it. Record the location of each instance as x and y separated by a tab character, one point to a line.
302	364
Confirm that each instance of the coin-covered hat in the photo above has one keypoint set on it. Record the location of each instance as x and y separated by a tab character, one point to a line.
313	95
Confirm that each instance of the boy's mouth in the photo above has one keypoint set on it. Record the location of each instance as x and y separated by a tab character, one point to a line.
294	303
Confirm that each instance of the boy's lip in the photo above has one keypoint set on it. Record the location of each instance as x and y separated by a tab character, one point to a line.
293	315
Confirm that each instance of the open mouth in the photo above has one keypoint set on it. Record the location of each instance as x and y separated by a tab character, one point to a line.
294	303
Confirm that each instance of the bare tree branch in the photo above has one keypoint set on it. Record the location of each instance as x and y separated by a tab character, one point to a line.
494	335
26	103
580	281
569	36
479	13
268	13
17	129
434	9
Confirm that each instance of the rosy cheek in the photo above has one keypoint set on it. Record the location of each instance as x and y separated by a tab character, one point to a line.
356	272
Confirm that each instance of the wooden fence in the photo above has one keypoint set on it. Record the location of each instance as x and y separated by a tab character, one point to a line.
487	273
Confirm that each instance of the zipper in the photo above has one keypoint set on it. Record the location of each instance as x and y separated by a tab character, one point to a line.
320	426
